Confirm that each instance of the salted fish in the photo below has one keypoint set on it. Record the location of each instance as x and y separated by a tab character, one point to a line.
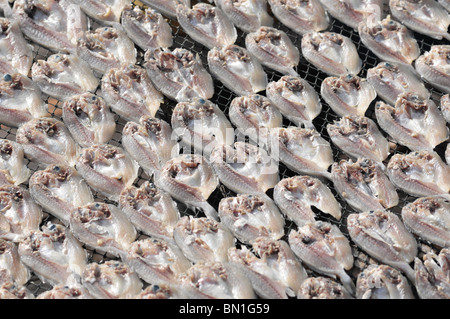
104	11
322	288
12	162
432	275
11	267
10	290
167	7
445	106
64	291
433	66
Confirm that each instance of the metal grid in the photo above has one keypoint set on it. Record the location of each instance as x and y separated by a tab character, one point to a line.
223	98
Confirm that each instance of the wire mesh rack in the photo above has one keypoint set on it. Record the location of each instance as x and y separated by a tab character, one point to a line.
223	97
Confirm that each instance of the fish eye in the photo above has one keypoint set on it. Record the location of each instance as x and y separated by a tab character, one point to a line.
202	101
56	168
52	227
7	77
97	205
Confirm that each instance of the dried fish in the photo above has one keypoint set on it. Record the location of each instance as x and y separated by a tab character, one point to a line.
12	162
432	275
348	94
11	267
445	107
59	189
274	49
447	154
63	291
382	282
10	290
445	4
167	7
160	292
105	11
331	53
130	93
383	236
237	69
322	288
296	195
89	119
433	67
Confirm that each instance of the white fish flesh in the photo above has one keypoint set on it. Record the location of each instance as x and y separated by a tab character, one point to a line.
322	247
429	218
19	214
11	267
167	7
207	24
363	185
413	122
20	100
130	93
274	49
247	15
434	67
13	162
178	74
63	76
301	16
322	288
103	227
445	107
10	290
383	236
203	239
189	178
89	119
425	16
150	210
147	28
432	275
295	196
59	189
382	282
447	154
104	11
332	53
160	292
239	71
347	94
107	169
63	291
445	4
296	99
251	216
391	79
54	254
359	136
47	141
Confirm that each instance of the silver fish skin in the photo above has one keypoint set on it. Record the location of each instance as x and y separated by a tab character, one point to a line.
106	47
159	292
20	100
130	93
419	173
89	119
299	15
239	71
447	154
54	254
322	288
15	50
413	122
254	115
296	99
63	291
247	15
331	52
359	136
13	162
296	195
157	262
347	94
112	279
251	216
322	247
63	76
47	141
215	280
274	49
276	273
352	12
107	169
389	40
302	150
11	267
244	168
103	227
147	28
432	275
390	79
59	189
104	11
10	290
19	214
150	142
445	106
445	4
363	185
383	236
167	7
201	124
207	24
429	218
150	210
189	178
178	74
433	67
426	17
382	282
51	23
203	239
